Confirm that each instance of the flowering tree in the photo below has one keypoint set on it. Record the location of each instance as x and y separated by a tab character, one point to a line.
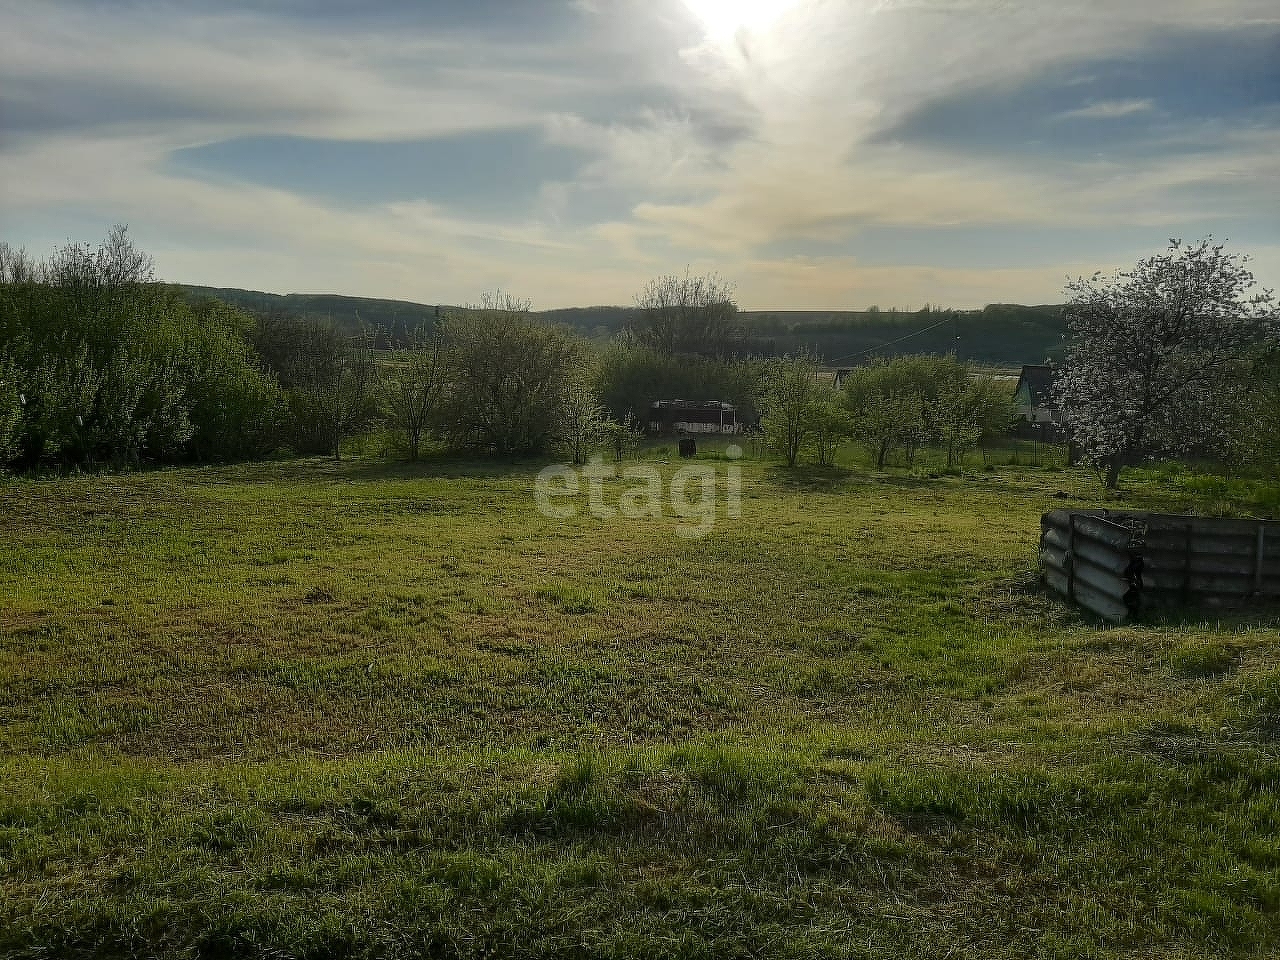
1157	353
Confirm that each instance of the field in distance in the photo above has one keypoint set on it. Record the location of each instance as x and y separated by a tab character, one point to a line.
310	709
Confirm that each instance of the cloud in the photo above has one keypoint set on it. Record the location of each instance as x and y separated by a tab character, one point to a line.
1109	109
430	149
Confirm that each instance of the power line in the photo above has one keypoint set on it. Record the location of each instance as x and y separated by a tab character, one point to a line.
915	333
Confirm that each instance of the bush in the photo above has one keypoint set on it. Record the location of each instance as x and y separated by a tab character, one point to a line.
509	376
117	368
628	379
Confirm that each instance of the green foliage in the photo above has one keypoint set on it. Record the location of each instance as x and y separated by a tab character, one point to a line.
623	438
10	411
888	402
413	389
1003	333
1254	439
907	402
237	409
794	399
628	379
967	409
686	316
119	369
1008	334
393	322
508	377
329	379
830	425
583	423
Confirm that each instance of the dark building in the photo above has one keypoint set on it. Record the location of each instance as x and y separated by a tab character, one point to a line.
1036	410
693	416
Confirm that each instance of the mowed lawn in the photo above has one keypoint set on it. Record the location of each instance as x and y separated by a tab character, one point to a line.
309	709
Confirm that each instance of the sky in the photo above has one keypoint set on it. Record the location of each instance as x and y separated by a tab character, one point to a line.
818	154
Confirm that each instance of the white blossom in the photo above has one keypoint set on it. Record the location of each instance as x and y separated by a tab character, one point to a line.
1158	354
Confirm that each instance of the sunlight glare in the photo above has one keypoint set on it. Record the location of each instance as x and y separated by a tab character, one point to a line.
725	19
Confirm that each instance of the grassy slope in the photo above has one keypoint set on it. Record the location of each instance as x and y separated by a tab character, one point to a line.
320	710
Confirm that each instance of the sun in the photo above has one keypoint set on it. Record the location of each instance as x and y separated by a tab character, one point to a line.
724	19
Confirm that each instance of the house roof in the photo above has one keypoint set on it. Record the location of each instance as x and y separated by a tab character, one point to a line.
1038	380
692	405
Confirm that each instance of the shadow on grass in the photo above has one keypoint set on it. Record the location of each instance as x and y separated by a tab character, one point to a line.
808	477
360	469
1244	615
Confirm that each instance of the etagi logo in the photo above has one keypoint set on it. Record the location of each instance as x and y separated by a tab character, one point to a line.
694	492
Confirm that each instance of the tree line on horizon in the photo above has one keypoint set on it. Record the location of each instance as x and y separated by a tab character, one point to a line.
999	333
102	365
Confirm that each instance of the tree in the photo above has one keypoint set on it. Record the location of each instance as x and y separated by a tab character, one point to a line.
17	266
887	402
686	315
791	398
313	364
966	409
1255	440
346	393
830	424
237	408
10	412
118	368
1155	353
508	377
584	424
624	437
628	378
414	389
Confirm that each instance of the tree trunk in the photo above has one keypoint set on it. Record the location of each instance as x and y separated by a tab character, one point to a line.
1114	464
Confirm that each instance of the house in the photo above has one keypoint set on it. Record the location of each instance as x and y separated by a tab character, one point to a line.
693	416
1033	396
1036	412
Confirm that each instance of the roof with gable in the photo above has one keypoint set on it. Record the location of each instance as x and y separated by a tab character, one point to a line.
1035	385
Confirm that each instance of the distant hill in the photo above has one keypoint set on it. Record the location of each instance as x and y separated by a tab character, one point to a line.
1000	333
396	317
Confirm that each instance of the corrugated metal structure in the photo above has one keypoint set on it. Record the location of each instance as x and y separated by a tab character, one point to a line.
693	416
1119	564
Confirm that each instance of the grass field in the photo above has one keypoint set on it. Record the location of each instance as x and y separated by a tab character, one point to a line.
308	709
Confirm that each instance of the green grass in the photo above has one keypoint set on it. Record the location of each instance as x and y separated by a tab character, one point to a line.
308	709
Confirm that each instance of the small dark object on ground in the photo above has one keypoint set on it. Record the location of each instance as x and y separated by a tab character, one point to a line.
688	447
